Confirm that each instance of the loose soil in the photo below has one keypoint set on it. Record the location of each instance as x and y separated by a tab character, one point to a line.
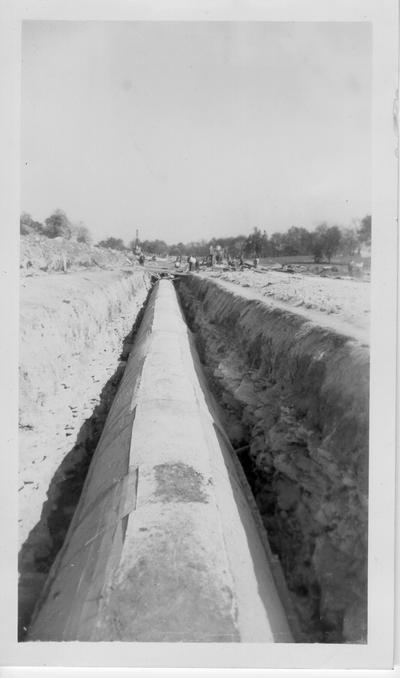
72	332
340	303
73	324
295	395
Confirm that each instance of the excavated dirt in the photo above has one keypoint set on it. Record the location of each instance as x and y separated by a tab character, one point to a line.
287	359
75	335
40	255
295	397
340	303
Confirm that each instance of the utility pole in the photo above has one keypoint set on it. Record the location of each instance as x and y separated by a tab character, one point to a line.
137	247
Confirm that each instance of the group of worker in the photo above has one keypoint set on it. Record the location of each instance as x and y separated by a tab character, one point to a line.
215	257
193	263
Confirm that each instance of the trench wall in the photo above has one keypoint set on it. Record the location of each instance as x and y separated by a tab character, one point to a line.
63	320
71	359
296	401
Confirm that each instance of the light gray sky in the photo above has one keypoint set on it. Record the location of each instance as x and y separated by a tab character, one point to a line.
195	130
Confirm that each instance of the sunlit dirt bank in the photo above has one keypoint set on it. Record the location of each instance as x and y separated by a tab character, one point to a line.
75	333
295	402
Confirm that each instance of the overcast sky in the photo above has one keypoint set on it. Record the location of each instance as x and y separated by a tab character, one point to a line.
195	130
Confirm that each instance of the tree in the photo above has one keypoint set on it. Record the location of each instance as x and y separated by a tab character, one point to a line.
265	246
332	241
349	242
277	244
364	232
297	241
254	244
257	242
25	223
326	242
199	248
317	242
57	225
180	248
152	246
28	225
112	243
238	245
81	233
317	248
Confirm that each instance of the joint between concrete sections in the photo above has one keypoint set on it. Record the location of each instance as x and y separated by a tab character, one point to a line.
124	513
129	485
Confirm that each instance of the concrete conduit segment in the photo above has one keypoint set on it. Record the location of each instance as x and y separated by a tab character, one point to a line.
163	545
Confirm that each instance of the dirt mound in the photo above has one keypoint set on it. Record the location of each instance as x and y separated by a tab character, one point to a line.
345	301
39	254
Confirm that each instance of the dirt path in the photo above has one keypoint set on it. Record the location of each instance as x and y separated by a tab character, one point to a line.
340	304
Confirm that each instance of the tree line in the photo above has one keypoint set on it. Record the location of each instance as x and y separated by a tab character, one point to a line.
323	243
55	226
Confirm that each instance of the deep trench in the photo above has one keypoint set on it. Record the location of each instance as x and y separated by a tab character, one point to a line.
309	627
284	533
45	540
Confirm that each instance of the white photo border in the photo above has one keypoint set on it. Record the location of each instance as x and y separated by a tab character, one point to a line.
378	652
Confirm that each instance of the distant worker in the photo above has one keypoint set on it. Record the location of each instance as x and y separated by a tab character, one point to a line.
192	261
211	257
142	259
256	262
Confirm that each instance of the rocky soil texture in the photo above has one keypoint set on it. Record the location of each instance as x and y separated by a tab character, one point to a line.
296	404
344	304
39	255
287	357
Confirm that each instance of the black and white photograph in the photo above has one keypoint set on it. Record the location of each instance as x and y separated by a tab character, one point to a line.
198	226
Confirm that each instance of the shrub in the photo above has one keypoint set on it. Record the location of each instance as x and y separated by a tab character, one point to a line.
112	243
57	225
28	225
82	234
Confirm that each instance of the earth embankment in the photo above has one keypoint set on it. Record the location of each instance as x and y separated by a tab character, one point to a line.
40	255
74	340
295	397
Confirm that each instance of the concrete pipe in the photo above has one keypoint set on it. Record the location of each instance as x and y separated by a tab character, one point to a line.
164	544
